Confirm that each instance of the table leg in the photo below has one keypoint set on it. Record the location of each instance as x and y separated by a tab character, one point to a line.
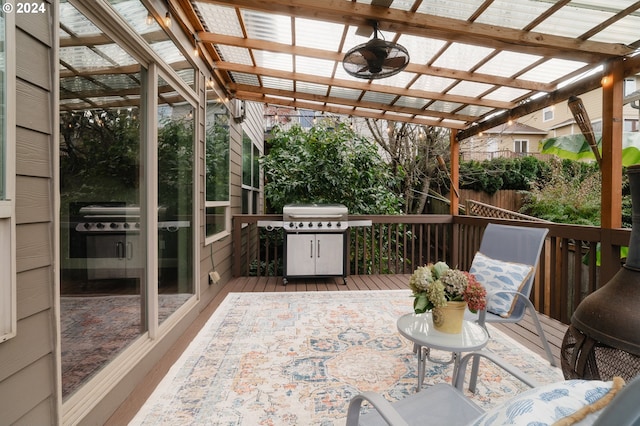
421	366
456	366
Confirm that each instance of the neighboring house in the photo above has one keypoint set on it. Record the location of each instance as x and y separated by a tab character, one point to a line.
523	136
508	140
120	169
558	120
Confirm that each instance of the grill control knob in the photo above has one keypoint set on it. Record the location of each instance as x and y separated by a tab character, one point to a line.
319	224
339	224
87	225
329	224
310	224
291	225
113	225
137	225
300	225
100	225
126	225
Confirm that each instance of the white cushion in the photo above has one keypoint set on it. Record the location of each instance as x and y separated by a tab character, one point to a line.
496	275
547	404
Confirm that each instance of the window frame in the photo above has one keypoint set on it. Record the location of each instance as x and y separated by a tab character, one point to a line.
548	111
254	177
226	204
517	145
8	263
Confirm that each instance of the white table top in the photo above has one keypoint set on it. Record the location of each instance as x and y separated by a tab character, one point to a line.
419	329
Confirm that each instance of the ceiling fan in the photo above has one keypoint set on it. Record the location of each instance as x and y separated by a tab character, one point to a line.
376	58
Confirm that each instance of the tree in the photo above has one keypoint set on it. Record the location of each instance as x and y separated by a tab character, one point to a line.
328	165
412	151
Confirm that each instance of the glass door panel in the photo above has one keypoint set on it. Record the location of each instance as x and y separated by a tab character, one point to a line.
103	253
175	200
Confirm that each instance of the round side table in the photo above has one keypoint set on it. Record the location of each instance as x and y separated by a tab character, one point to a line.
420	330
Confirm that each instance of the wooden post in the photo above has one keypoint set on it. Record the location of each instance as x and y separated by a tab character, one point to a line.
611	201
454	176
454	193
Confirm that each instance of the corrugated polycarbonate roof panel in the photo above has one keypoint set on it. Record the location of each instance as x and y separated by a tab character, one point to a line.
378	97
273	60
469	88
461	9
552	70
237	55
277	83
314	66
243	78
432	84
267	26
574	19
307	30
312	88
411	102
507	64
441	106
220	19
506	94
346	93
460	56
513	14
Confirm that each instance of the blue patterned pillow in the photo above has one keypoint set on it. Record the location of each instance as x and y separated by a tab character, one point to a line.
496	275
547	404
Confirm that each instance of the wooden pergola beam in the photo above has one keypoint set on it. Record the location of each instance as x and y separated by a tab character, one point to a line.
425	25
268	46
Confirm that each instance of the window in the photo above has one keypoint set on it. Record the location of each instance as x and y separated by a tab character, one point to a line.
547	114
217	205
250	176
8	310
521	145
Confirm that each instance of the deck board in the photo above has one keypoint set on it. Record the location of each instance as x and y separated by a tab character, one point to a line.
524	332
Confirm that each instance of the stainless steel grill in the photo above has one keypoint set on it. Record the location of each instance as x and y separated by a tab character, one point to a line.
315	242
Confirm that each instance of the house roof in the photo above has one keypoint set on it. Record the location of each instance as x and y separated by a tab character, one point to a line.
473	63
515	128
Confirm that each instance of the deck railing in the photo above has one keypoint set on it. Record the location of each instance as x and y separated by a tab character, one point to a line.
568	269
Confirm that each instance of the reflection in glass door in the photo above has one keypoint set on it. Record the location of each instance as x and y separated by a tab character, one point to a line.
175	200
103	252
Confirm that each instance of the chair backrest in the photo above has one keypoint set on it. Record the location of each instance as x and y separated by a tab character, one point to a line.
518	244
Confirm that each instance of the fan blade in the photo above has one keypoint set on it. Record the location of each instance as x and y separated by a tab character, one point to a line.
368	55
396	62
363	69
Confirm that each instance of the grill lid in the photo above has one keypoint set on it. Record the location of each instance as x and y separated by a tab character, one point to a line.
333	212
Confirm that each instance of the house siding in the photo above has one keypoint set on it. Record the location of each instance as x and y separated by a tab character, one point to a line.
27	362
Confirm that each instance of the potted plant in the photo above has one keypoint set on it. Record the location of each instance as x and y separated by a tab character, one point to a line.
443	290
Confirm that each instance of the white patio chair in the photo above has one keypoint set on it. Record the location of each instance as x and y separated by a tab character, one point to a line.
515	252
444	404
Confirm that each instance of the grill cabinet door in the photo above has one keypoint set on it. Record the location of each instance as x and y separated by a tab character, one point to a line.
329	254
301	254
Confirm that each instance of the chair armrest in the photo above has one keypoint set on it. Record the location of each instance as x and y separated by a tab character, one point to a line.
458	381
388	413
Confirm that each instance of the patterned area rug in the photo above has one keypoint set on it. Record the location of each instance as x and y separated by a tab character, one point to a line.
298	359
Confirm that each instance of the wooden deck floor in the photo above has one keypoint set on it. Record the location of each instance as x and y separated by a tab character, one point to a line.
523	332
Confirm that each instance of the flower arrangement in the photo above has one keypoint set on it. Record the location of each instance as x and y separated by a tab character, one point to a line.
434	285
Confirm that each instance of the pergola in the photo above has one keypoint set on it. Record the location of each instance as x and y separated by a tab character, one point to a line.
474	64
